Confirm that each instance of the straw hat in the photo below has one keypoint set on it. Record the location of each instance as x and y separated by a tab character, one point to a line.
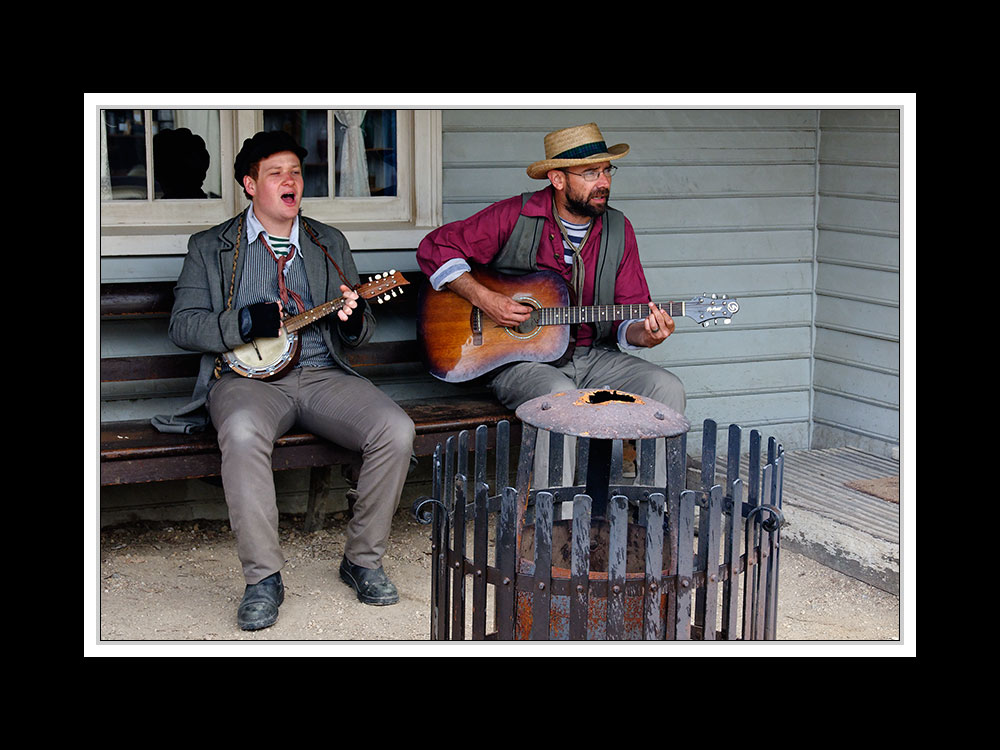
569	147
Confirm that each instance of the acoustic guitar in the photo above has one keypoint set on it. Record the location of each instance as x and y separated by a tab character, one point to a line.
459	342
268	358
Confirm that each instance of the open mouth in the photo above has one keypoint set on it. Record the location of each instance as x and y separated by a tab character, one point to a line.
288	199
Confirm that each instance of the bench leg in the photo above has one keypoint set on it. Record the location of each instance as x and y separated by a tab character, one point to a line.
319	488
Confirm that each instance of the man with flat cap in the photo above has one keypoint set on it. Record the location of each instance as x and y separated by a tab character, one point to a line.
570	228
238	281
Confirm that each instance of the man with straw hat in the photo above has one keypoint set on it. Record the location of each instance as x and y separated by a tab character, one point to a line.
567	227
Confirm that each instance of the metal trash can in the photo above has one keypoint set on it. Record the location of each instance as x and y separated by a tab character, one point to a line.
629	561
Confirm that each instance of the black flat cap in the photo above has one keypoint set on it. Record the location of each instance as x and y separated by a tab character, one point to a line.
261	146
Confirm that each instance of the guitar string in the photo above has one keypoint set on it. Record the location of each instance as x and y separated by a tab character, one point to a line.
572	315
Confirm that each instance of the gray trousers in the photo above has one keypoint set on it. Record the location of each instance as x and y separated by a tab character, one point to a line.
249	415
590	367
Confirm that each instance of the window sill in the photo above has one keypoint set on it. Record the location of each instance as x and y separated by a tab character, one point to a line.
121	241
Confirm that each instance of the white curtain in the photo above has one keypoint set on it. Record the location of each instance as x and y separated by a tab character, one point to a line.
353	164
204	122
105	171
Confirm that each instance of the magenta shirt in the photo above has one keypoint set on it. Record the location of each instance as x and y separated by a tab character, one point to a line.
446	253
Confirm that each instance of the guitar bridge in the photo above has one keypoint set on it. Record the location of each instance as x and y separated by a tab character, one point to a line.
476	322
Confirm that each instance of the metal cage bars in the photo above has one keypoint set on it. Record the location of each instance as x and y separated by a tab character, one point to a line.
677	590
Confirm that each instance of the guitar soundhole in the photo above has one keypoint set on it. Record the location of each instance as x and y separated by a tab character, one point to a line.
530	327
527	326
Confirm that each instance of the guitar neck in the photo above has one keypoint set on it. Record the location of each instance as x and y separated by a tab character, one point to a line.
309	317
558	316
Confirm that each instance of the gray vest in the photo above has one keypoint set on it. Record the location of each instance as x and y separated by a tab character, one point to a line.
520	255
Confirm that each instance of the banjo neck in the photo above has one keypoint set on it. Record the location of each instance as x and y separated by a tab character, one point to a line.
309	317
381	287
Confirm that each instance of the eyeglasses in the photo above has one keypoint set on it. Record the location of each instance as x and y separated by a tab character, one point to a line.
592	174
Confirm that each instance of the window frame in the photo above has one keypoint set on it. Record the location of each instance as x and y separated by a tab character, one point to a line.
160	212
377	222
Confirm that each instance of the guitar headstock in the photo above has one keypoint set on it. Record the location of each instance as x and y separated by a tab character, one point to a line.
711	307
383	286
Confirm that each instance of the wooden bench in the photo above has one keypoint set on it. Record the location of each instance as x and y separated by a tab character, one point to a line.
134	452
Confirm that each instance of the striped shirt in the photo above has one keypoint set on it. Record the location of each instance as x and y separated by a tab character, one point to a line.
576	233
280	245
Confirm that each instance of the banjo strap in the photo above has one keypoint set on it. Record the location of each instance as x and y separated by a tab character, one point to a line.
217	371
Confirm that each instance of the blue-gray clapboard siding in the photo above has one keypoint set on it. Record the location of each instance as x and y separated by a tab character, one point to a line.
857	347
795	212
721	201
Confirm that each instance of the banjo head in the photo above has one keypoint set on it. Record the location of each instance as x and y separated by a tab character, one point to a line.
263	358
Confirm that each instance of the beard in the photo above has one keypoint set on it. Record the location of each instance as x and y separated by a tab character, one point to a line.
581	206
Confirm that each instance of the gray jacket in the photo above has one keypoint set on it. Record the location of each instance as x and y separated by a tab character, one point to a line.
201	322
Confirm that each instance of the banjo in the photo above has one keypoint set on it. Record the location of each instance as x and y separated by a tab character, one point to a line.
267	358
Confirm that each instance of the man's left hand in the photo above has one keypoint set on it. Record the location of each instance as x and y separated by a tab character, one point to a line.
350	302
654	329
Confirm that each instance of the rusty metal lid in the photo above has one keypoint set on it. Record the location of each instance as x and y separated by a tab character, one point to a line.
603	413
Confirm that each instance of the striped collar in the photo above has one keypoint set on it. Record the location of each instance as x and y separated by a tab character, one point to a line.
255	229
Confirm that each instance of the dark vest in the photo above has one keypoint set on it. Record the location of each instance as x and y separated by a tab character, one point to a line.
520	255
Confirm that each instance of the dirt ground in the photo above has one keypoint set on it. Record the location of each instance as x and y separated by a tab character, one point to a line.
169	582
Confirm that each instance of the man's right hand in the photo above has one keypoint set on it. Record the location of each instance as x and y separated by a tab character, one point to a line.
503	310
498	307
261	320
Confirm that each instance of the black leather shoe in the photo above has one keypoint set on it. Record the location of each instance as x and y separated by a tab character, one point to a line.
373	586
259	608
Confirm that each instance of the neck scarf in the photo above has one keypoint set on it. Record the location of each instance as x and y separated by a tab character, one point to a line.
579	272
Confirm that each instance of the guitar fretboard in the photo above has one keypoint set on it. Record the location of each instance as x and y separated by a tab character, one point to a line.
559	316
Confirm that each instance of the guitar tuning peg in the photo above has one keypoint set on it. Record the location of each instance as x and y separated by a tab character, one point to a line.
369	279
714	295
727	321
378	276
706	324
393	292
386	297
392	272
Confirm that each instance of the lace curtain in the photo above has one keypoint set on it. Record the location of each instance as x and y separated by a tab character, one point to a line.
353	164
105	171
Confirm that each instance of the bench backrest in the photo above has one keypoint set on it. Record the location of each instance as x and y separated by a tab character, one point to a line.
138	300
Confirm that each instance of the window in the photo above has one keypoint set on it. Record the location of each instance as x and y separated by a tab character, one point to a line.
169	172
359	161
166	153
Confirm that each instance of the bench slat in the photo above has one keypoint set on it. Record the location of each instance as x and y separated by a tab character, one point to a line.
137	298
134	451
380	354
